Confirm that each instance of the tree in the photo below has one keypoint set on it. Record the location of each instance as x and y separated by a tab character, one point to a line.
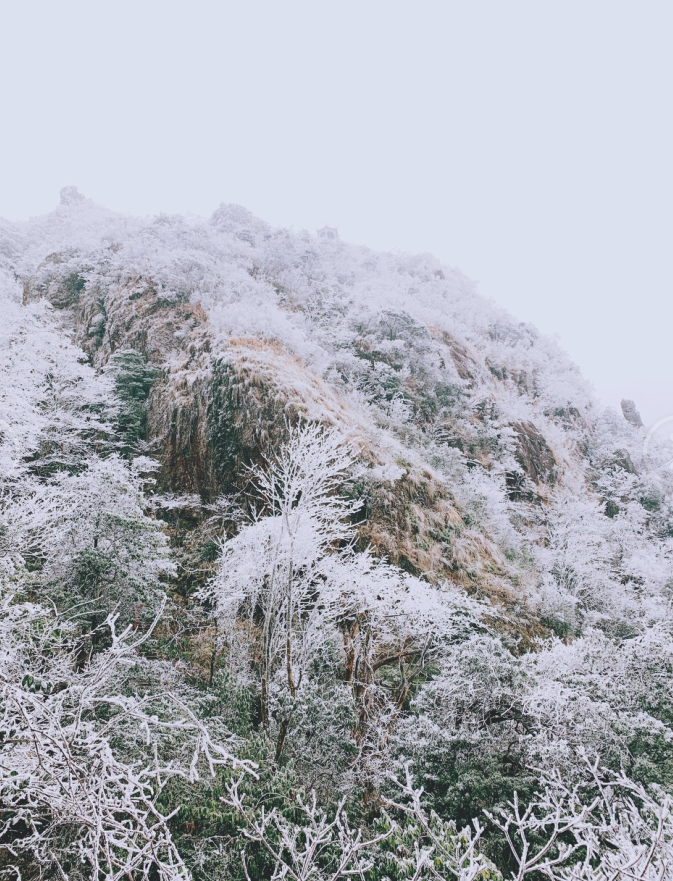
85	537
292	574
274	571
605	828
408	843
83	762
53	406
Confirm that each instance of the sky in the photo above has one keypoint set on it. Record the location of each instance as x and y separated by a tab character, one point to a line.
528	143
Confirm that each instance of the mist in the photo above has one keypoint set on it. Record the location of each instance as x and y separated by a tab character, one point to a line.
528	144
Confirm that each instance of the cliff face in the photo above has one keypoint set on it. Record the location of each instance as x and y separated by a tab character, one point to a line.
465	420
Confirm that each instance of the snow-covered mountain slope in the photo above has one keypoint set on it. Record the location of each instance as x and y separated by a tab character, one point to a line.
490	554
471	426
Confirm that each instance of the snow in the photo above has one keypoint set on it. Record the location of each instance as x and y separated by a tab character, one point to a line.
541	622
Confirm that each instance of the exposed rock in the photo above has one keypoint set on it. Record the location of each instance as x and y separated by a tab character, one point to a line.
622	459
631	413
466	365
533	454
518	487
511	374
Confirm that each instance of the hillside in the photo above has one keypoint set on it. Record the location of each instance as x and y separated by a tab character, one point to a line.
287	511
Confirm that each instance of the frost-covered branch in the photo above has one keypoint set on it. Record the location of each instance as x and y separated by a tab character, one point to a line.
606	828
318	848
68	795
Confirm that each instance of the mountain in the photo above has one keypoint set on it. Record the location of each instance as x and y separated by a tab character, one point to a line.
324	511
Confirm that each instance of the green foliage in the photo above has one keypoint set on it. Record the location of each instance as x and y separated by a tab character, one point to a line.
396	857
322	723
209	552
651	759
74	283
464	774
92	568
209	833
223	430
100	320
232	702
70	288
134	377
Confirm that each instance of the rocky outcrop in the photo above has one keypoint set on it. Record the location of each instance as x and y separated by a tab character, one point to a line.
534	454
631	413
70	196
465	363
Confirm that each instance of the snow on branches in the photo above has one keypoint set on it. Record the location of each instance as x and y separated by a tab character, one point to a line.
293	578
82	763
604	828
85	753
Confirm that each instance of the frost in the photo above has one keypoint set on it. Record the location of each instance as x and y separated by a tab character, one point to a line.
430	588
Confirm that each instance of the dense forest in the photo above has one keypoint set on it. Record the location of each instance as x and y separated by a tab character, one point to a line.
314	564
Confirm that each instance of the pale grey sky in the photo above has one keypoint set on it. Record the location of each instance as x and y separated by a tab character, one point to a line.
528	143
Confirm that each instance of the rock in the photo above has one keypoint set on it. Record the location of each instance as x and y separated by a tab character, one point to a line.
464	362
622	459
533	454
631	414
71	196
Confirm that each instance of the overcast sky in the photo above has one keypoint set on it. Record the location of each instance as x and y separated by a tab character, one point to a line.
528	143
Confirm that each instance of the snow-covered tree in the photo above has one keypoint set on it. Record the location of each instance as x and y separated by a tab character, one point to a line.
293	576
83	762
